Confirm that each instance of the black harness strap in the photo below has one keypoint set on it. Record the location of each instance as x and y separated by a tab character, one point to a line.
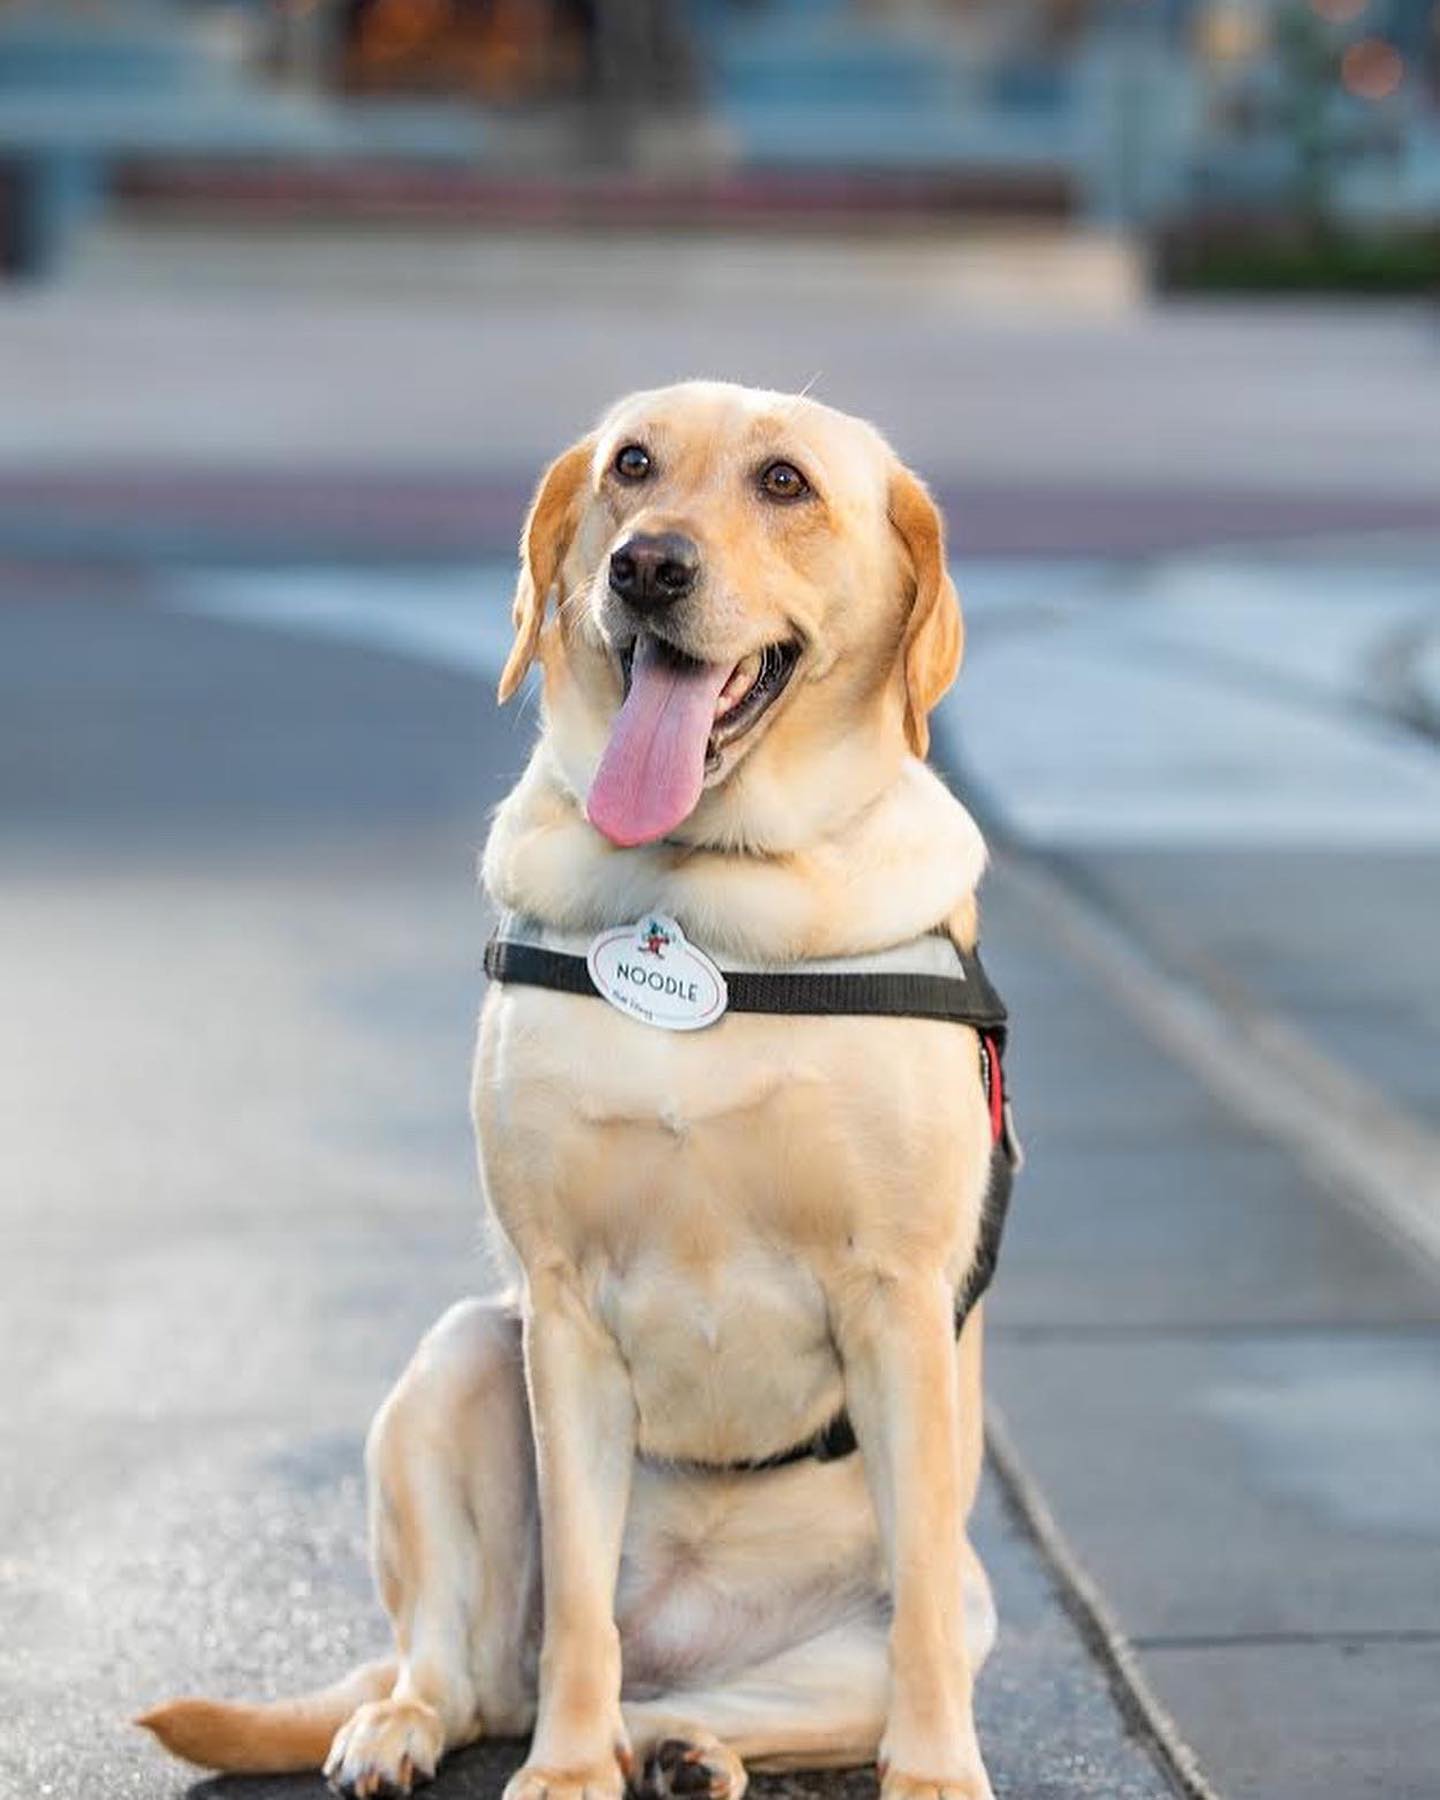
965	998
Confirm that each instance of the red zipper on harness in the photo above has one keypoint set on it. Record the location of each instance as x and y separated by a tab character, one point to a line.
994	1087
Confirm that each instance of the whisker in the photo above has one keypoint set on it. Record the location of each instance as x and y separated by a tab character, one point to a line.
579	593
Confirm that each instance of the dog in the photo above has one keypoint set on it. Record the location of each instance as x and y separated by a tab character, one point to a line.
589	1517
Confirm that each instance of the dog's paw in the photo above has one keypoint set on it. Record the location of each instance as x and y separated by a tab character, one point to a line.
384	1749
975	1785
535	1782
698	1768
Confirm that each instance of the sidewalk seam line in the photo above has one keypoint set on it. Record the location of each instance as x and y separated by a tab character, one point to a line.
1283	1640
1085	1331
1139	1706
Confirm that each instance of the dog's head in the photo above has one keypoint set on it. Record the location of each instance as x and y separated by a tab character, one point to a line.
755	616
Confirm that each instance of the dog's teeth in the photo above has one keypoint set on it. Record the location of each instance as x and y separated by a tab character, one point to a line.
741	681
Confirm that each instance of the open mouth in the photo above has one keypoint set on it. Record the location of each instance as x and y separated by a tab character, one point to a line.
753	686
678	720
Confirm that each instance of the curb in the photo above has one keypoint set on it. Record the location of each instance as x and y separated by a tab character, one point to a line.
1141	1710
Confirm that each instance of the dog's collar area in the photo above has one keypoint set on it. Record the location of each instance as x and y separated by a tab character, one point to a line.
929	977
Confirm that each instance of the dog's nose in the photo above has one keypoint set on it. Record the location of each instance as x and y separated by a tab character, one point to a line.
651	570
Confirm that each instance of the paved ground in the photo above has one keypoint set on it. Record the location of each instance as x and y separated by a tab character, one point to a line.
238	812
1226	1385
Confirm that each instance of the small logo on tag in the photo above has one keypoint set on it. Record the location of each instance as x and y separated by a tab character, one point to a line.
651	971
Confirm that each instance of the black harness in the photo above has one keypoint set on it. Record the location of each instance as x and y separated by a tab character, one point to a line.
967	997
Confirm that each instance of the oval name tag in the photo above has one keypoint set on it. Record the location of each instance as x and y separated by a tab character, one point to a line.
653	972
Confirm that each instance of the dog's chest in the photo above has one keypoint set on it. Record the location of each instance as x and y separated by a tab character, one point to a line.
727	1362
705	1189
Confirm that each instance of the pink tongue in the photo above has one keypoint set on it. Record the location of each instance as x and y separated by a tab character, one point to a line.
653	768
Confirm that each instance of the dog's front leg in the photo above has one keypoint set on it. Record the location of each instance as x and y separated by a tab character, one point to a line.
584	1422
896	1333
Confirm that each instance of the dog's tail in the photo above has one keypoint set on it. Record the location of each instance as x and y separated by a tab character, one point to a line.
279	1737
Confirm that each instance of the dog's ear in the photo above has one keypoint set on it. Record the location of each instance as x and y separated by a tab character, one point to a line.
934	631
549	527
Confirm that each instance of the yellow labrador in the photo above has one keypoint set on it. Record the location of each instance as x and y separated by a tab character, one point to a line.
724	1237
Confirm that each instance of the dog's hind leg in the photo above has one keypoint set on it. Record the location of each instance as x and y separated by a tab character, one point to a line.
455	1549
818	1705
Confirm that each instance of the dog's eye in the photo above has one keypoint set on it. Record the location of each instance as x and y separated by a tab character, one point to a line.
783	481
632	462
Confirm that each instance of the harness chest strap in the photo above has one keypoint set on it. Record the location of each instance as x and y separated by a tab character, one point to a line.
931	978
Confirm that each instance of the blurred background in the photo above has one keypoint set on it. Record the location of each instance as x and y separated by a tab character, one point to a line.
296	299
1244	143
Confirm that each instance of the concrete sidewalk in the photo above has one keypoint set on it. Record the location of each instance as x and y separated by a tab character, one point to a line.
1226	1384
